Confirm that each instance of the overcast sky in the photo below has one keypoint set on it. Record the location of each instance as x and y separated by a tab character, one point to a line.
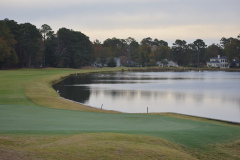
168	20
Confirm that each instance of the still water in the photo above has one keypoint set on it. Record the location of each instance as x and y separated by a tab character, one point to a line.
206	94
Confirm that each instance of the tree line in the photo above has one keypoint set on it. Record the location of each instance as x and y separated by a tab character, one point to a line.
24	45
149	51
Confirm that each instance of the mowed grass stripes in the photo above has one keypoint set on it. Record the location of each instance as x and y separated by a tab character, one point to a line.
40	120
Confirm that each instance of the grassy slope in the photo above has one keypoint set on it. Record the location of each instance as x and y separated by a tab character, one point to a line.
19	114
90	146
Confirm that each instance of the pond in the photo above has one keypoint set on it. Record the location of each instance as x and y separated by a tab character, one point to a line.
211	94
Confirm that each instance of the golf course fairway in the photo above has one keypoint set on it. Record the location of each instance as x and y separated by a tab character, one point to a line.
35	123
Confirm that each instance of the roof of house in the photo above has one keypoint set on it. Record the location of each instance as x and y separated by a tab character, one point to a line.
223	57
214	62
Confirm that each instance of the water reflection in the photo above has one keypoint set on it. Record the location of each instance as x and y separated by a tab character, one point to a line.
80	94
207	94
183	98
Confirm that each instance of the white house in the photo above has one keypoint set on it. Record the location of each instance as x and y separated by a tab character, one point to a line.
172	64
168	64
118	62
98	64
218	62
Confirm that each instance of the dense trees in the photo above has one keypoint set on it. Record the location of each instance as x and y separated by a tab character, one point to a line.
24	45
72	49
213	51
46	32
8	57
30	46
232	49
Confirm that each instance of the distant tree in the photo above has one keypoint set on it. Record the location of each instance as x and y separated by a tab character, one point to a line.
97	42
224	41
13	27
17	33
164	62
104	55
160	42
200	46
129	40
45	29
232	49
97	46
29	43
132	49
147	41
152	60
46	33
111	63
162	52
73	48
50	49
116	46
142	59
213	51
8	57
145	51
179	50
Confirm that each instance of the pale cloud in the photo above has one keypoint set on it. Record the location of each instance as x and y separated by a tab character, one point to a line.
208	33
102	19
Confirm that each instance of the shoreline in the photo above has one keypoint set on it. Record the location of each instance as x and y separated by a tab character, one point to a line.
181	69
158	113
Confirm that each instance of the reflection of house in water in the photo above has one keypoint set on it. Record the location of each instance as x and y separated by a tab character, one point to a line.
218	61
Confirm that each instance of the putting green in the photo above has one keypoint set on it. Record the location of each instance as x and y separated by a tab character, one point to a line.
41	120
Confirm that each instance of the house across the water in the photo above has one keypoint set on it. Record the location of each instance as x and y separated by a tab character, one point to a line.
166	63
221	62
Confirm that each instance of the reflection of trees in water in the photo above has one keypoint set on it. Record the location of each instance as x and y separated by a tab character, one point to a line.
96	92
160	94
146	94
198	97
114	94
78	79
180	97
82	93
76	93
234	100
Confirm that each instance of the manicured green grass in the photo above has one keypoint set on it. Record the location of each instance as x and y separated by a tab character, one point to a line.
33	87
40	120
14	83
36	123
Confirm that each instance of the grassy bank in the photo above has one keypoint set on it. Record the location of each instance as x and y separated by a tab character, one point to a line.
181	69
32	87
36	124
